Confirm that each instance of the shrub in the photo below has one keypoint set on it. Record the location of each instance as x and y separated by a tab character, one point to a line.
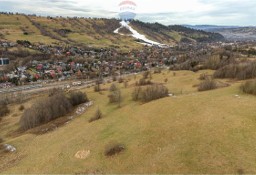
113	148
249	87
213	62
208	84
45	110
115	94
97	116
240	71
77	98
4	110
120	80
157	71
97	88
149	93
240	171
192	65
143	82
21	108
114	78
55	91
113	88
146	74
126	84
136	93
203	76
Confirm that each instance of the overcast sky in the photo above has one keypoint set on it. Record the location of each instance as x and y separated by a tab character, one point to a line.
217	12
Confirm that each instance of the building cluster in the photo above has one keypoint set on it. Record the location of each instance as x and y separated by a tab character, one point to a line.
69	62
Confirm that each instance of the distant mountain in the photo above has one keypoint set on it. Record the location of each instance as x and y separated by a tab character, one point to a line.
209	28
175	33
234	33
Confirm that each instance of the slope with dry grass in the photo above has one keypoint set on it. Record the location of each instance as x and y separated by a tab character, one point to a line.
191	132
92	32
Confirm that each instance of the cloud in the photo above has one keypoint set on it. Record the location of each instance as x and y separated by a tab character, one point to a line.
221	12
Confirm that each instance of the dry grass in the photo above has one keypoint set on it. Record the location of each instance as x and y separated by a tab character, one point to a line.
11	28
191	133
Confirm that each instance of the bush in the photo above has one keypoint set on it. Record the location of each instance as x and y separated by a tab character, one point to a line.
77	98
249	87
215	62
126	84
136	94
157	71
203	76
114	78
115	94
21	108
143	82
208	84
97	87
97	116
146	74
149	93
55	91
45	110
113	148
113	88
120	80
4	110
240	71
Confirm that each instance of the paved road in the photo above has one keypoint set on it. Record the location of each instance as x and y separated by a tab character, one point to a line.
42	87
63	85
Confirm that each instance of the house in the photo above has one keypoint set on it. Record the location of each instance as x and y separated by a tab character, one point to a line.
4	61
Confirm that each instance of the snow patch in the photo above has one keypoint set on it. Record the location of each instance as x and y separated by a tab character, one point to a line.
137	35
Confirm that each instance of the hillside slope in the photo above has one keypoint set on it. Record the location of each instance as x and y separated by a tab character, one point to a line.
90	32
193	132
175	33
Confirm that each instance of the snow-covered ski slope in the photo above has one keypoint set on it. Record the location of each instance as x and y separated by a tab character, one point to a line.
137	35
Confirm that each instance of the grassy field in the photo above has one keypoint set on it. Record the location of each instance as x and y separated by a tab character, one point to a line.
192	132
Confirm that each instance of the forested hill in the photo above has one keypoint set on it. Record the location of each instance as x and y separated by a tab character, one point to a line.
176	33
